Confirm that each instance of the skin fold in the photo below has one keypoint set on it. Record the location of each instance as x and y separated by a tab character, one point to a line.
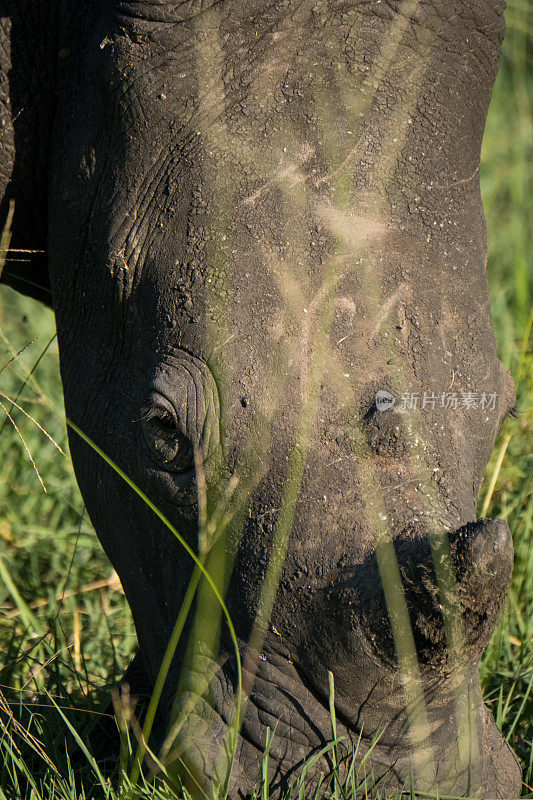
254	217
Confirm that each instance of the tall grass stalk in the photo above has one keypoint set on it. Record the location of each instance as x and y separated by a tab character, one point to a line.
181	618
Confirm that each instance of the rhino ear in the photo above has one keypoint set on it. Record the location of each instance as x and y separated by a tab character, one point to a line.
27	70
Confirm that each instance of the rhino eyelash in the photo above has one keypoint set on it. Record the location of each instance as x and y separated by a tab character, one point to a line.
148	410
144	415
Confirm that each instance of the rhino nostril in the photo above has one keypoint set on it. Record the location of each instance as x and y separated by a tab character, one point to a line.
387	432
484	547
483	556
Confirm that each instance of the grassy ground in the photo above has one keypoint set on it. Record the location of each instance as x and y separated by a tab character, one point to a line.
507	667
65	628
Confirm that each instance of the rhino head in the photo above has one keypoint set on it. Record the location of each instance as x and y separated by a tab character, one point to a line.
266	253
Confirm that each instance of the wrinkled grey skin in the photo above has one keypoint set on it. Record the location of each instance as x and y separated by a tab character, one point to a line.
180	164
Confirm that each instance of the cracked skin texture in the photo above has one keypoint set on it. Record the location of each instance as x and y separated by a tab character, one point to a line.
255	216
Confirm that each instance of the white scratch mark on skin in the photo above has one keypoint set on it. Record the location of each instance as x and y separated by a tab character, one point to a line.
453	379
287	173
354	152
458	183
387	307
224	344
342	458
291	174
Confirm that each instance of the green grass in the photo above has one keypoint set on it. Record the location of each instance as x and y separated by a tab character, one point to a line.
507	666
80	637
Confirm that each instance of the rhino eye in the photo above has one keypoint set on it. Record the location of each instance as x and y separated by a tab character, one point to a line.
165	436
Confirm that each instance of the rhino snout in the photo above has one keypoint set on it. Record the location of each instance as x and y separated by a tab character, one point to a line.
479	560
483	559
